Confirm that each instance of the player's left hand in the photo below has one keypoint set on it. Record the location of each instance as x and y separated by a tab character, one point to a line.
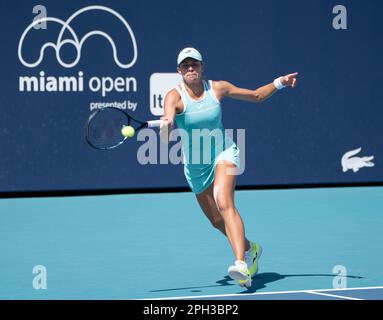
290	80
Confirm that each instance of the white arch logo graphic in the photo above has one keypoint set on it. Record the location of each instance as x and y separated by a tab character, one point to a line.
77	43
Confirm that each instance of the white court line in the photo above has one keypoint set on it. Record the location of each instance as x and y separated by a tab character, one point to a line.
332	295
261	293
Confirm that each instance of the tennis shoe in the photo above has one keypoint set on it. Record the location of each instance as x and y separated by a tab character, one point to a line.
240	272
251	258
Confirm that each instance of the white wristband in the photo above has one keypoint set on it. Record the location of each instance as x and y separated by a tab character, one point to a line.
278	83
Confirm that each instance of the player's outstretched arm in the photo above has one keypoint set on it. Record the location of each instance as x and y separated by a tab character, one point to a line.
227	89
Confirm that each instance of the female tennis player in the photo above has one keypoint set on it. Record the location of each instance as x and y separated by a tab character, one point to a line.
210	156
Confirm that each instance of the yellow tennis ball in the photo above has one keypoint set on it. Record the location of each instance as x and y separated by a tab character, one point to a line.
128	131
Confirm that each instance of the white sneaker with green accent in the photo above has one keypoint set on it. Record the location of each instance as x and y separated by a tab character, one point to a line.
240	272
252	256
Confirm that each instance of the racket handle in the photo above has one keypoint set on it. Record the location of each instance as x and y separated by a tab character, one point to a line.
154	123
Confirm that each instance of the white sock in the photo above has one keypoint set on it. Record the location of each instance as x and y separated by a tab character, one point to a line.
241	262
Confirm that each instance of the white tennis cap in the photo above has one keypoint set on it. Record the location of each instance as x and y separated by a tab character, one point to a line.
189	53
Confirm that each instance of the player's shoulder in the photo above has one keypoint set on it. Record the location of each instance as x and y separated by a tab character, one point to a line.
173	100
220	85
173	94
221	82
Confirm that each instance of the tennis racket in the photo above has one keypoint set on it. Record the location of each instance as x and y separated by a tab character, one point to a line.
103	128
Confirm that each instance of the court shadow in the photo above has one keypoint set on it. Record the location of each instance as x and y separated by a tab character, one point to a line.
220	283
260	281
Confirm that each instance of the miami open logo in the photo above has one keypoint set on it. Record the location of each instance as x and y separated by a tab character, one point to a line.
66	35
75	41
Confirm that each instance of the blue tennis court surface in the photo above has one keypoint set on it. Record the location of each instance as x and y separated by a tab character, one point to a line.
151	246
369	293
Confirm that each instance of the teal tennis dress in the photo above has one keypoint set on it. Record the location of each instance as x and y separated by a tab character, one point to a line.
204	140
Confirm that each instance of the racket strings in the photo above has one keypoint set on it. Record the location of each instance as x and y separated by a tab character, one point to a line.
104	129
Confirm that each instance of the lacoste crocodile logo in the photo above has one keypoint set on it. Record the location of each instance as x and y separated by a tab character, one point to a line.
349	162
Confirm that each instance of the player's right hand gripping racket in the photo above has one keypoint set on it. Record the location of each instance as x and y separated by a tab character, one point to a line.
103	128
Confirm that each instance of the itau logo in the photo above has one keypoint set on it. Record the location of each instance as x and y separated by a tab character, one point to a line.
160	84
65	36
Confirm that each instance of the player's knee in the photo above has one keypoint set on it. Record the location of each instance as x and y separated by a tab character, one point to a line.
223	202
